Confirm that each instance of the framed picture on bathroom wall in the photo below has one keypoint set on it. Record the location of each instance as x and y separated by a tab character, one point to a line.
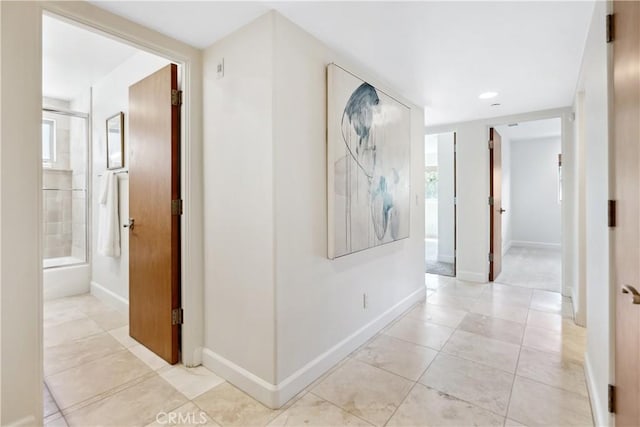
115	141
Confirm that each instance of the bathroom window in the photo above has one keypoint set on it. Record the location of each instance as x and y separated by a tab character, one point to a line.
48	141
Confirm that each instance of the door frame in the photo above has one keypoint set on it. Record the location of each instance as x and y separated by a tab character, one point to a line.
189	60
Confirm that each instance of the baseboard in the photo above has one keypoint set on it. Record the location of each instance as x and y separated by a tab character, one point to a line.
26	421
109	297
538	245
449	259
274	396
471	276
67	281
600	414
578	315
506	247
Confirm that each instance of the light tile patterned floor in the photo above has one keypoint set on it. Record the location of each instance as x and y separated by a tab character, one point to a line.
470	354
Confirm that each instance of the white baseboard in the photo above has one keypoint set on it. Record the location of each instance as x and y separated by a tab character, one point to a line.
109	297
600	413
63	282
506	247
274	396
449	259
26	421
538	245
472	276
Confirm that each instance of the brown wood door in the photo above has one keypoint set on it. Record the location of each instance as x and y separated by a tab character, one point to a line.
495	204
626	193
154	240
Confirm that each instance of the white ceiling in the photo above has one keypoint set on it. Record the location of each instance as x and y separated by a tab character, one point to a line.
440	55
531	130
73	58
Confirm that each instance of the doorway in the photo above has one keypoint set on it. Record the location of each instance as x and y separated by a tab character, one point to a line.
90	128
440	204
526	204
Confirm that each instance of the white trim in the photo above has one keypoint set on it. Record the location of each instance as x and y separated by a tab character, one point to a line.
109	297
506	247
538	245
471	276
274	396
600	415
26	421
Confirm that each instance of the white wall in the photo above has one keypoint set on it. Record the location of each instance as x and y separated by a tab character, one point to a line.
239	205
507	232
594	83
110	95
319	301
473	211
536	212
446	220
279	312
20	214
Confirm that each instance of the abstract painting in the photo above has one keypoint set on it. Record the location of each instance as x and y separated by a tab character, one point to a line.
368	165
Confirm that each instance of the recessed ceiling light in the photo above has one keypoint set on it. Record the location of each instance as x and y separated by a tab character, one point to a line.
488	95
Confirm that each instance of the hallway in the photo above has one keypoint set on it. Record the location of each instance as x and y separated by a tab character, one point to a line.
485	354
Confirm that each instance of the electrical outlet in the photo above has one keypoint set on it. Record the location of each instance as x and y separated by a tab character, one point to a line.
220	69
365	303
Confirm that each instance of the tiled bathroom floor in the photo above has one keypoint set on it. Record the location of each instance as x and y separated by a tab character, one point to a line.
469	355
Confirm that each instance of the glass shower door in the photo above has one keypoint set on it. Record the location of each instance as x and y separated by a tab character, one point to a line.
64	187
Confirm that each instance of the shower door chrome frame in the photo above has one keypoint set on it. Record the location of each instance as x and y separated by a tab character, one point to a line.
87	185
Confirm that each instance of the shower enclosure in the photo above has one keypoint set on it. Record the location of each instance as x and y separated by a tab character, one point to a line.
65	160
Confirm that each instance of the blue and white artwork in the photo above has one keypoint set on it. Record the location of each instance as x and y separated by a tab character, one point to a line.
368	162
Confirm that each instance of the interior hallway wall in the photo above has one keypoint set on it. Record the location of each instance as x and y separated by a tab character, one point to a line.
536	211
594	84
446	220
319	302
110	95
20	213
507	235
268	278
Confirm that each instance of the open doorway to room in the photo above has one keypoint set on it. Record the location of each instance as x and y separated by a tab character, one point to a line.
440	204
526	204
110	162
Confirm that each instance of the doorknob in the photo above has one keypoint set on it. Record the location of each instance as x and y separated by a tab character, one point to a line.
628	289
502	210
130	224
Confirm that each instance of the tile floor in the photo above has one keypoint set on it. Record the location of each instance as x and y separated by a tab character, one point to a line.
469	355
535	268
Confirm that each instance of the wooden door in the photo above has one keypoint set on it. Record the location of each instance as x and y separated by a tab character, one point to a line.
154	242
495	204
626	193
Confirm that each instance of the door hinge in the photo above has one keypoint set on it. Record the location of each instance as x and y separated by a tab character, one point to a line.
176	207
176	316
491	257
612	213
491	144
610	28
455	200
491	201
176	97
611	398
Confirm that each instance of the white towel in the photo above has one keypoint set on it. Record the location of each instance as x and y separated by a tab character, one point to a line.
109	222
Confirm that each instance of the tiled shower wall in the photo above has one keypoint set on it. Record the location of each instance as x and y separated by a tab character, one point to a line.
64	187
